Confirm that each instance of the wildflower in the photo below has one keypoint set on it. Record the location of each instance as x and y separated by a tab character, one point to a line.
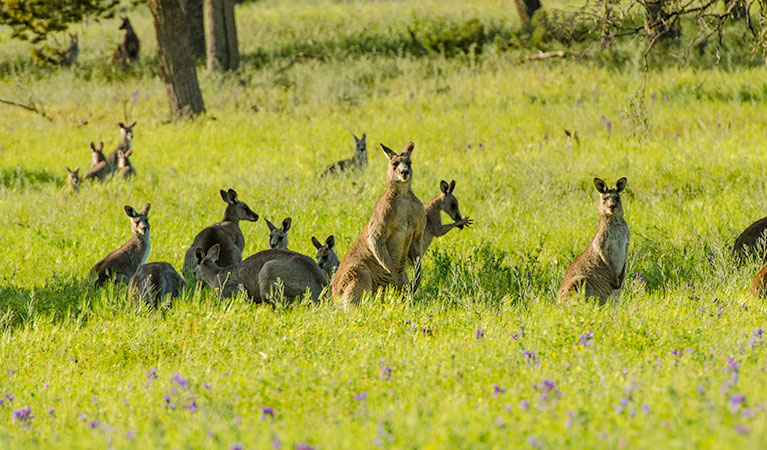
532	440
361	396
585	338
499	421
152	374
480	333
267	411
701	389
276	444
95	399
166	398
181	381
742	429
386	372
23	415
191	406
302	446
94	423
646	408
498	390
547	385
530	358
130	435
10	397
525	405
51	411
206	385
237	446
735	402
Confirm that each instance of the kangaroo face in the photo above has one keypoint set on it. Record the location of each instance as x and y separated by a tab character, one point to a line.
400	167
125	24
241	210
126	131
326	254
360	148
610	199
73	178
122	158
449	203
278	237
73	40
139	221
97	154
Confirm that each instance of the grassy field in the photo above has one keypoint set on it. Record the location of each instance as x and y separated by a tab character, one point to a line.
480	356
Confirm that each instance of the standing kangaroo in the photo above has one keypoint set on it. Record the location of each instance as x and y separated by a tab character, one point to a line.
100	168
124	167
70	56
753	240
258	274
600	269
153	281
326	256
128	49
278	237
358	161
226	234
378	257
120	265
73	180
125	144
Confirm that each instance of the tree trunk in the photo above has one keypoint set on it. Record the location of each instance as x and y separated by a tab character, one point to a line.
525	9
176	58
196	24
222	35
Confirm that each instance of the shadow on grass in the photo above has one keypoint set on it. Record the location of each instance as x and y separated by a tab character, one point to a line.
21	178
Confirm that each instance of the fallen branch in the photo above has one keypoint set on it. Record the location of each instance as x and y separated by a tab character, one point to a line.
540	56
32	104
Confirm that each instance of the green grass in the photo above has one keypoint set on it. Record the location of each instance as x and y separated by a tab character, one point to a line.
655	373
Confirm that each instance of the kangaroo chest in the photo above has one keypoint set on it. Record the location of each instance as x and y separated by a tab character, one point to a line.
613	243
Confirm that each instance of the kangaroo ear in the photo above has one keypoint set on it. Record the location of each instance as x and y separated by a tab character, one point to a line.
316	243
356	139
69	171
213	253
93	146
224	196
286	224
364	136
132	124
443	186
77	169
129	211
452	186
620	185
145	211
270	225
233	195
330	241
408	149
122	125
600	185
389	152
199	255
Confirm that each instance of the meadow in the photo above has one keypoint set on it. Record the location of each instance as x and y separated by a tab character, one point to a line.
481	356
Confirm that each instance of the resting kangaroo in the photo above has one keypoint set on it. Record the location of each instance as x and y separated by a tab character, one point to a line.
121	264
153	281
753	240
226	234
124	167
358	161
128	49
258	273
378	257
73	180
125	144
278	237
326	255
100	168
602	266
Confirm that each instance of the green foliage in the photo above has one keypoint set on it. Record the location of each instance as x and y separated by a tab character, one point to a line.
36	19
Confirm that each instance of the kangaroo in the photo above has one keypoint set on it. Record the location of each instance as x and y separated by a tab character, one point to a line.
602	266
226	233
70	56
257	274
278	237
124	167
759	283
378	257
73	180
128	49
120	265
153	281
100	168
753	240
447	202
358	161
125	144
326	256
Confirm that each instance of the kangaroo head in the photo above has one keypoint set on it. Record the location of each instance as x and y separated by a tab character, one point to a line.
73	39
123	158
360	147
73	177
278	237
449	203
400	167
326	255
206	267
125	24
236	209
97	154
139	221
126	131
610	199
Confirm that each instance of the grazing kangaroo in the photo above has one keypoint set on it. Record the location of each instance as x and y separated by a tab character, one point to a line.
153	281
358	161
226	234
120	265
125	144
600	269
73	180
278	237
258	273
326	256
100	168
124	167
378	257
753	240
128	49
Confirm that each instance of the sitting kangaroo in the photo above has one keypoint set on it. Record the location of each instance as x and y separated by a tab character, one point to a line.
600	269
124	167
278	237
100	168
226	234
326	256
120	265
153	281
378	257
358	161
753	240
73	180
257	274
128	49
70	56
125	144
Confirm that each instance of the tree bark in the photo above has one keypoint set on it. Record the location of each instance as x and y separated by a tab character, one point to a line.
223	53
525	9
196	24
176	59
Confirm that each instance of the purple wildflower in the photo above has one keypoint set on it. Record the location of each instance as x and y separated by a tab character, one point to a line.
267	411
191	406
23	415
530	358
480	333
10	397
547	385
386	372
166	398
585	338
130	435
742	429
499	421
237	446
735	402
525	405
152	374
181	381
646	408
276	444
206	385
361	396
701	389
532	440
302	446
94	423
498	390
